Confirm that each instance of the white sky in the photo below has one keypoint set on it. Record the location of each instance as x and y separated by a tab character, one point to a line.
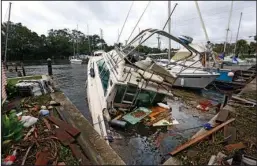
40	16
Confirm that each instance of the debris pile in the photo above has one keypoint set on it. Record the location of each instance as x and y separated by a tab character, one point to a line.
44	139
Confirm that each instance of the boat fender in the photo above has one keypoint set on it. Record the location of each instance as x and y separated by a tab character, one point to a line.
182	82
230	74
92	72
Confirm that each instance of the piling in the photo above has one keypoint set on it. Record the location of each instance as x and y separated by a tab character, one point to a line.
49	64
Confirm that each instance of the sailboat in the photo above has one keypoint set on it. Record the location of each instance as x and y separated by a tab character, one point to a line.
76	58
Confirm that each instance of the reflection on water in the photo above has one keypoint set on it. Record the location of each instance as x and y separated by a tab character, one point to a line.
71	80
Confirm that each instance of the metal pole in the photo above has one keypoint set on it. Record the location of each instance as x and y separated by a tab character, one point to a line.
238	31
229	19
7	32
169	25
170	16
88	40
49	64
198	10
77	39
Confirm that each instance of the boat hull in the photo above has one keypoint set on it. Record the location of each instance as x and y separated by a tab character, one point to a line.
76	62
194	81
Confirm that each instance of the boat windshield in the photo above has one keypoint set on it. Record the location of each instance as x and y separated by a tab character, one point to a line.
104	74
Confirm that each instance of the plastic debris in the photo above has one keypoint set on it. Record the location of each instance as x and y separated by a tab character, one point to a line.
207	126
44	112
163	105
28	120
10	159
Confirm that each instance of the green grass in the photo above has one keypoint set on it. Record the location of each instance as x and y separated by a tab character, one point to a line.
15	80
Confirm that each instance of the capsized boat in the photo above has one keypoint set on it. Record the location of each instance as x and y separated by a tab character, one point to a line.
116	81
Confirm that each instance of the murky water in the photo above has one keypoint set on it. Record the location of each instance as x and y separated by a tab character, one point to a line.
140	145
71	79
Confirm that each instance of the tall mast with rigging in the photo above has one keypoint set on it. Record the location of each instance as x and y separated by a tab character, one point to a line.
7	32
229	20
238	31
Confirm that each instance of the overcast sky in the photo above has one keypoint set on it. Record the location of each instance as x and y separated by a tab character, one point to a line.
40	16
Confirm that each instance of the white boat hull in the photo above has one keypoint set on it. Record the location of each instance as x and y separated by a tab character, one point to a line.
194	81
96	102
76	62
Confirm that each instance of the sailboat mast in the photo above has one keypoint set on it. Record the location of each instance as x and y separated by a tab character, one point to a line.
89	48
238	31
77	39
201	18
229	19
169	25
7	32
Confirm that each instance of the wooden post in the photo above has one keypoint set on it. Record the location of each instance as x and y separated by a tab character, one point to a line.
49	64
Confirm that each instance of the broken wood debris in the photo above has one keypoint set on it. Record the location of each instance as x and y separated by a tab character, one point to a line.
67	127
201	137
236	146
63	136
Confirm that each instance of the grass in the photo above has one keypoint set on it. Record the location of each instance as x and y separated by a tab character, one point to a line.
66	156
15	80
245	124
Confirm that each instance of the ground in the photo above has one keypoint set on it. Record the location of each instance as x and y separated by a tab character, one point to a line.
245	124
59	152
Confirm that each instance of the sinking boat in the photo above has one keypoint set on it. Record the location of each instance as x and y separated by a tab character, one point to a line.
116	82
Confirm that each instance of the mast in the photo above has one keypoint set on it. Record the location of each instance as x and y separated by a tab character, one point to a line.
77	40
238	30
88	40
169	25
229	19
7	32
201	19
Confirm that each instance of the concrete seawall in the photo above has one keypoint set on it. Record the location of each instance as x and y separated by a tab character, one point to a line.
95	147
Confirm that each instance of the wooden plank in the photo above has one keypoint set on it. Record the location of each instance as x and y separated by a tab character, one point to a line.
231	131
201	137
243	100
222	116
67	127
77	153
63	136
47	124
232	147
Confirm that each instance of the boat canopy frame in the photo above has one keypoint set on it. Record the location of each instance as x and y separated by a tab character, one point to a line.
149	33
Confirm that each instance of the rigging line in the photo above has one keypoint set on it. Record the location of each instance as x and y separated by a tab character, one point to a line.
125	21
216	13
5	14
139	20
207	20
170	16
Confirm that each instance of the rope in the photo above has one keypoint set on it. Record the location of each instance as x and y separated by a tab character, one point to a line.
170	16
139	20
125	21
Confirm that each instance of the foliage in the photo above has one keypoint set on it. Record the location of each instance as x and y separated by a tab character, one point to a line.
11	128
24	44
11	90
242	48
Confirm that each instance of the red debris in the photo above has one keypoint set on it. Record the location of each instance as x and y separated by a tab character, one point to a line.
79	155
63	136
237	146
67	127
42	157
47	124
